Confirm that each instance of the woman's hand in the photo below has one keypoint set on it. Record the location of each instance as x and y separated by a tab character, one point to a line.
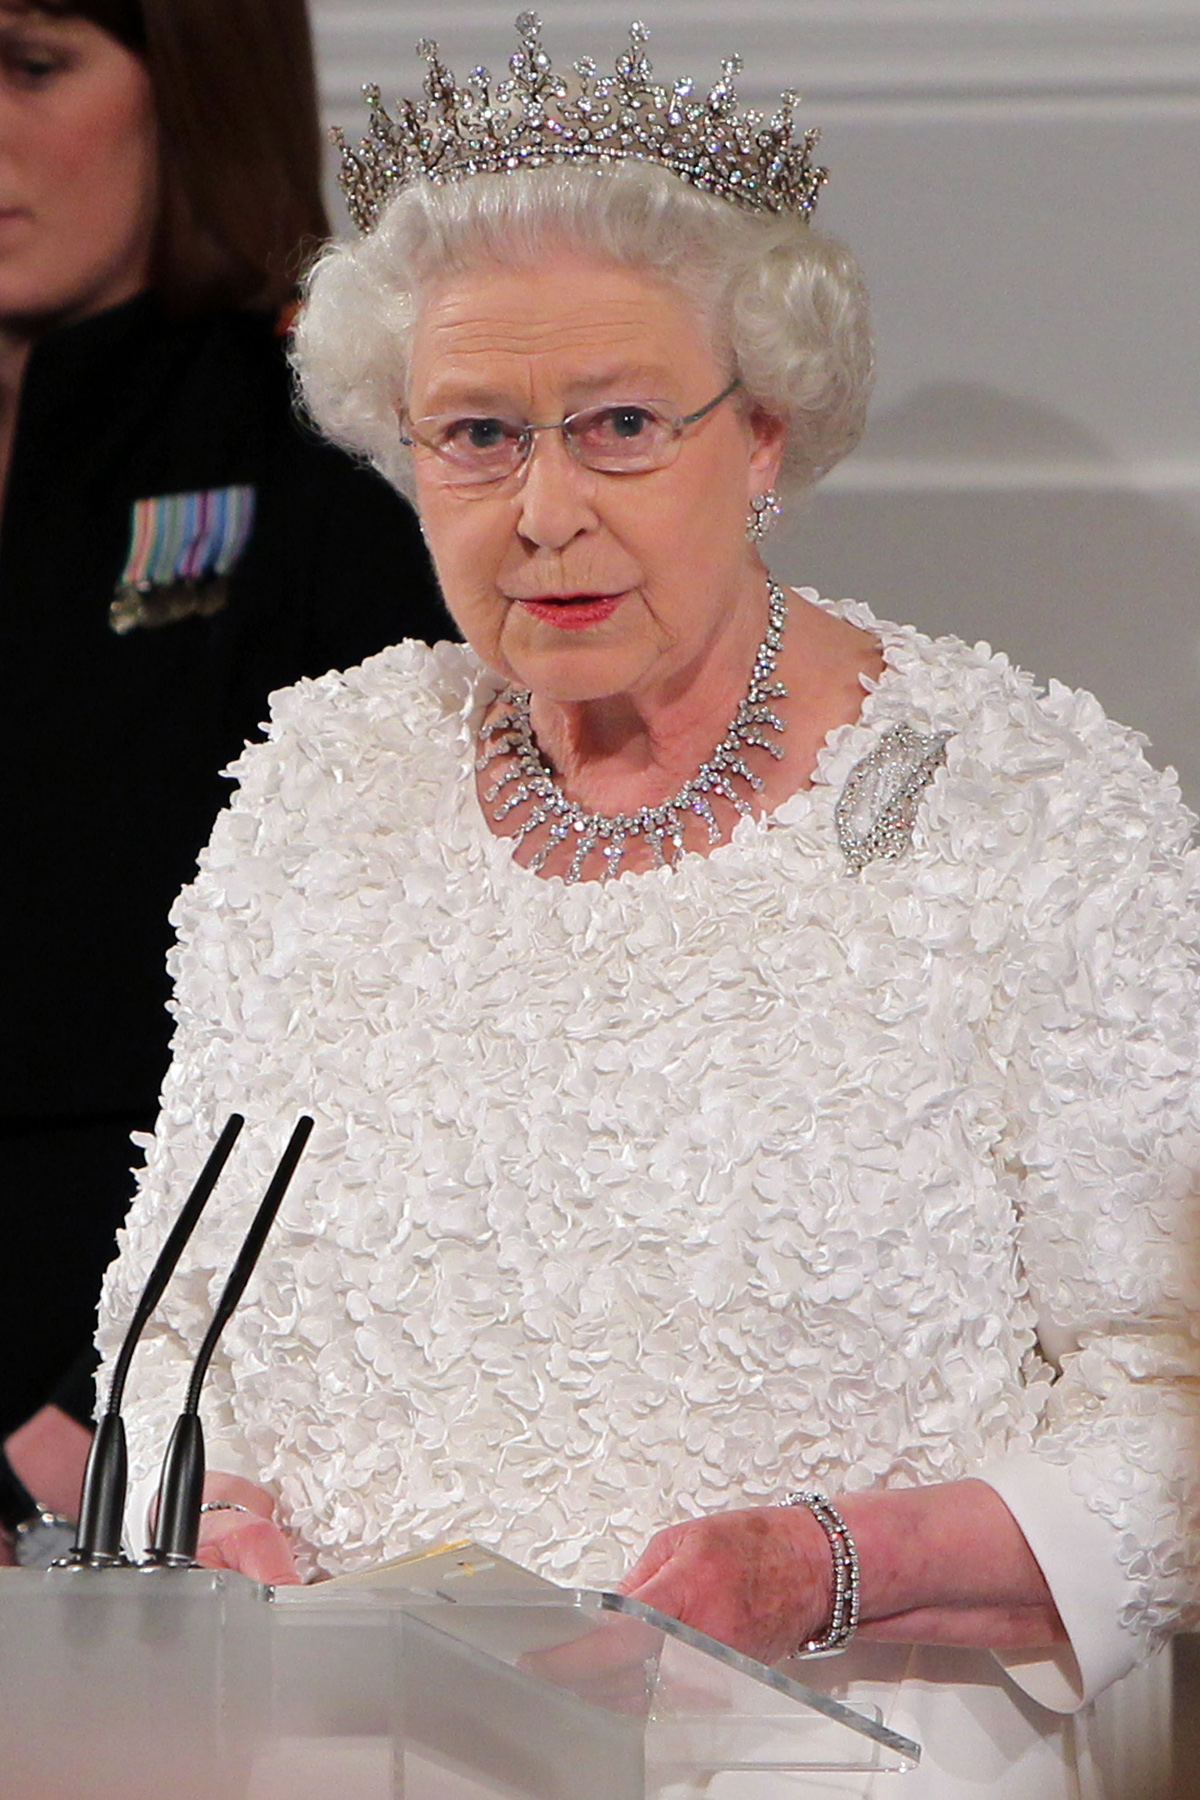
48	1454
760	1580
944	1564
248	1541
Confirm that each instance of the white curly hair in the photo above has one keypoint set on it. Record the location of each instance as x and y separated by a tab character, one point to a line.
787	307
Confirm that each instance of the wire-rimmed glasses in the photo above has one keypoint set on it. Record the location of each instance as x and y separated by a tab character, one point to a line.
617	437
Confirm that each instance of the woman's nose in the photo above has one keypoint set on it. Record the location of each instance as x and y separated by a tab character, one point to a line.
557	493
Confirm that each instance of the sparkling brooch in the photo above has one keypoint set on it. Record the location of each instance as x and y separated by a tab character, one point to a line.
529	779
536	117
877	809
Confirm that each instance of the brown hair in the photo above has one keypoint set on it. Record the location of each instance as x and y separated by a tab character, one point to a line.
240	208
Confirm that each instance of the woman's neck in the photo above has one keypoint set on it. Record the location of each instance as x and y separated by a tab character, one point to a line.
638	748
17	341
14	356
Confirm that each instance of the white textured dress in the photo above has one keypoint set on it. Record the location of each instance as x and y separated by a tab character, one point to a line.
634	1201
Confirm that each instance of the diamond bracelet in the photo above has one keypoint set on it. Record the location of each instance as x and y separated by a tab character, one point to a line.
843	1620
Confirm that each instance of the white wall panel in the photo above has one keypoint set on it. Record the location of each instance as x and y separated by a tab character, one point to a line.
1022	184
875	51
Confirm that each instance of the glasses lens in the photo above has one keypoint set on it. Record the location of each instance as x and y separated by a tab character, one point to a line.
627	436
472	449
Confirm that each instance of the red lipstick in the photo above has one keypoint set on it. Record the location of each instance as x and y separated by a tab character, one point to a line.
574	613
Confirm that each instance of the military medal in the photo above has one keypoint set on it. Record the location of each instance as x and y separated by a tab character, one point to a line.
181	549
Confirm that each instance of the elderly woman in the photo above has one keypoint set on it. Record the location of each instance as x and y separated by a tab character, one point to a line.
752	1046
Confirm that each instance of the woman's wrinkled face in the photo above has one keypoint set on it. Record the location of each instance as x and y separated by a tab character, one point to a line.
78	168
576	583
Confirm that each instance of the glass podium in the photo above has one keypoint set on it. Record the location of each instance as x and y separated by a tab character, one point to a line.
452	1676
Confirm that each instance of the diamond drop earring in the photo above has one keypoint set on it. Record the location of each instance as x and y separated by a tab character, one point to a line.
764	510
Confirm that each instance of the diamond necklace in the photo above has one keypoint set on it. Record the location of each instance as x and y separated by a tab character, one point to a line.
529	776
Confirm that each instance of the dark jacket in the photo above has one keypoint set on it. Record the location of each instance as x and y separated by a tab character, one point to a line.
112	745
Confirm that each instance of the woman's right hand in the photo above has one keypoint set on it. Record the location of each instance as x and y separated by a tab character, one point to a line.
244	1536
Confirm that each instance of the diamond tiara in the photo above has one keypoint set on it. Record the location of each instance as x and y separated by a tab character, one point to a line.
535	117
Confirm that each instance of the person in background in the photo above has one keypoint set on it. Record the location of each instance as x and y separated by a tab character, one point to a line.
174	546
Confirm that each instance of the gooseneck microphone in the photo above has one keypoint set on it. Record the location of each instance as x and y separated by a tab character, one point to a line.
177	1527
102	1502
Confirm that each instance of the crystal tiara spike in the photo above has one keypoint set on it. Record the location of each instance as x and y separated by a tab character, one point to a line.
535	117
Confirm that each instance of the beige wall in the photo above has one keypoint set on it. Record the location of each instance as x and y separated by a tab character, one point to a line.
1022	182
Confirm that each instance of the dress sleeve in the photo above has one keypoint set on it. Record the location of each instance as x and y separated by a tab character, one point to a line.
245	949
1098	1035
232	928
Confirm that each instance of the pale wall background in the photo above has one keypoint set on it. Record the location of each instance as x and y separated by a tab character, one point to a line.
1022	184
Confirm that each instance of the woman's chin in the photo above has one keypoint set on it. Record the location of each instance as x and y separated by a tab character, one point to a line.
578	665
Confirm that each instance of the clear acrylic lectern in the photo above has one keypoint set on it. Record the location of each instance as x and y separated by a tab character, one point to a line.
188	1685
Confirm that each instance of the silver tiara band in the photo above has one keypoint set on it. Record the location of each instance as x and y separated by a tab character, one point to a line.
534	118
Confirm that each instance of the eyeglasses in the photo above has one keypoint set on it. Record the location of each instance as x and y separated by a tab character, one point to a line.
619	437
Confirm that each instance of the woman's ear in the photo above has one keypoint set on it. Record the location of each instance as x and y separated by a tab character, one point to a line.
769	435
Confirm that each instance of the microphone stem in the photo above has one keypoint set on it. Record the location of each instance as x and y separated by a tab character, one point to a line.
181	1490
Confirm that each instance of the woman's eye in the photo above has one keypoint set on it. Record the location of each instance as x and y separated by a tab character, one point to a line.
623	422
620	430
30	65
477	434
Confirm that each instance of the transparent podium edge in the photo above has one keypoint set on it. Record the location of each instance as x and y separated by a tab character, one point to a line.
763	1673
601	1600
